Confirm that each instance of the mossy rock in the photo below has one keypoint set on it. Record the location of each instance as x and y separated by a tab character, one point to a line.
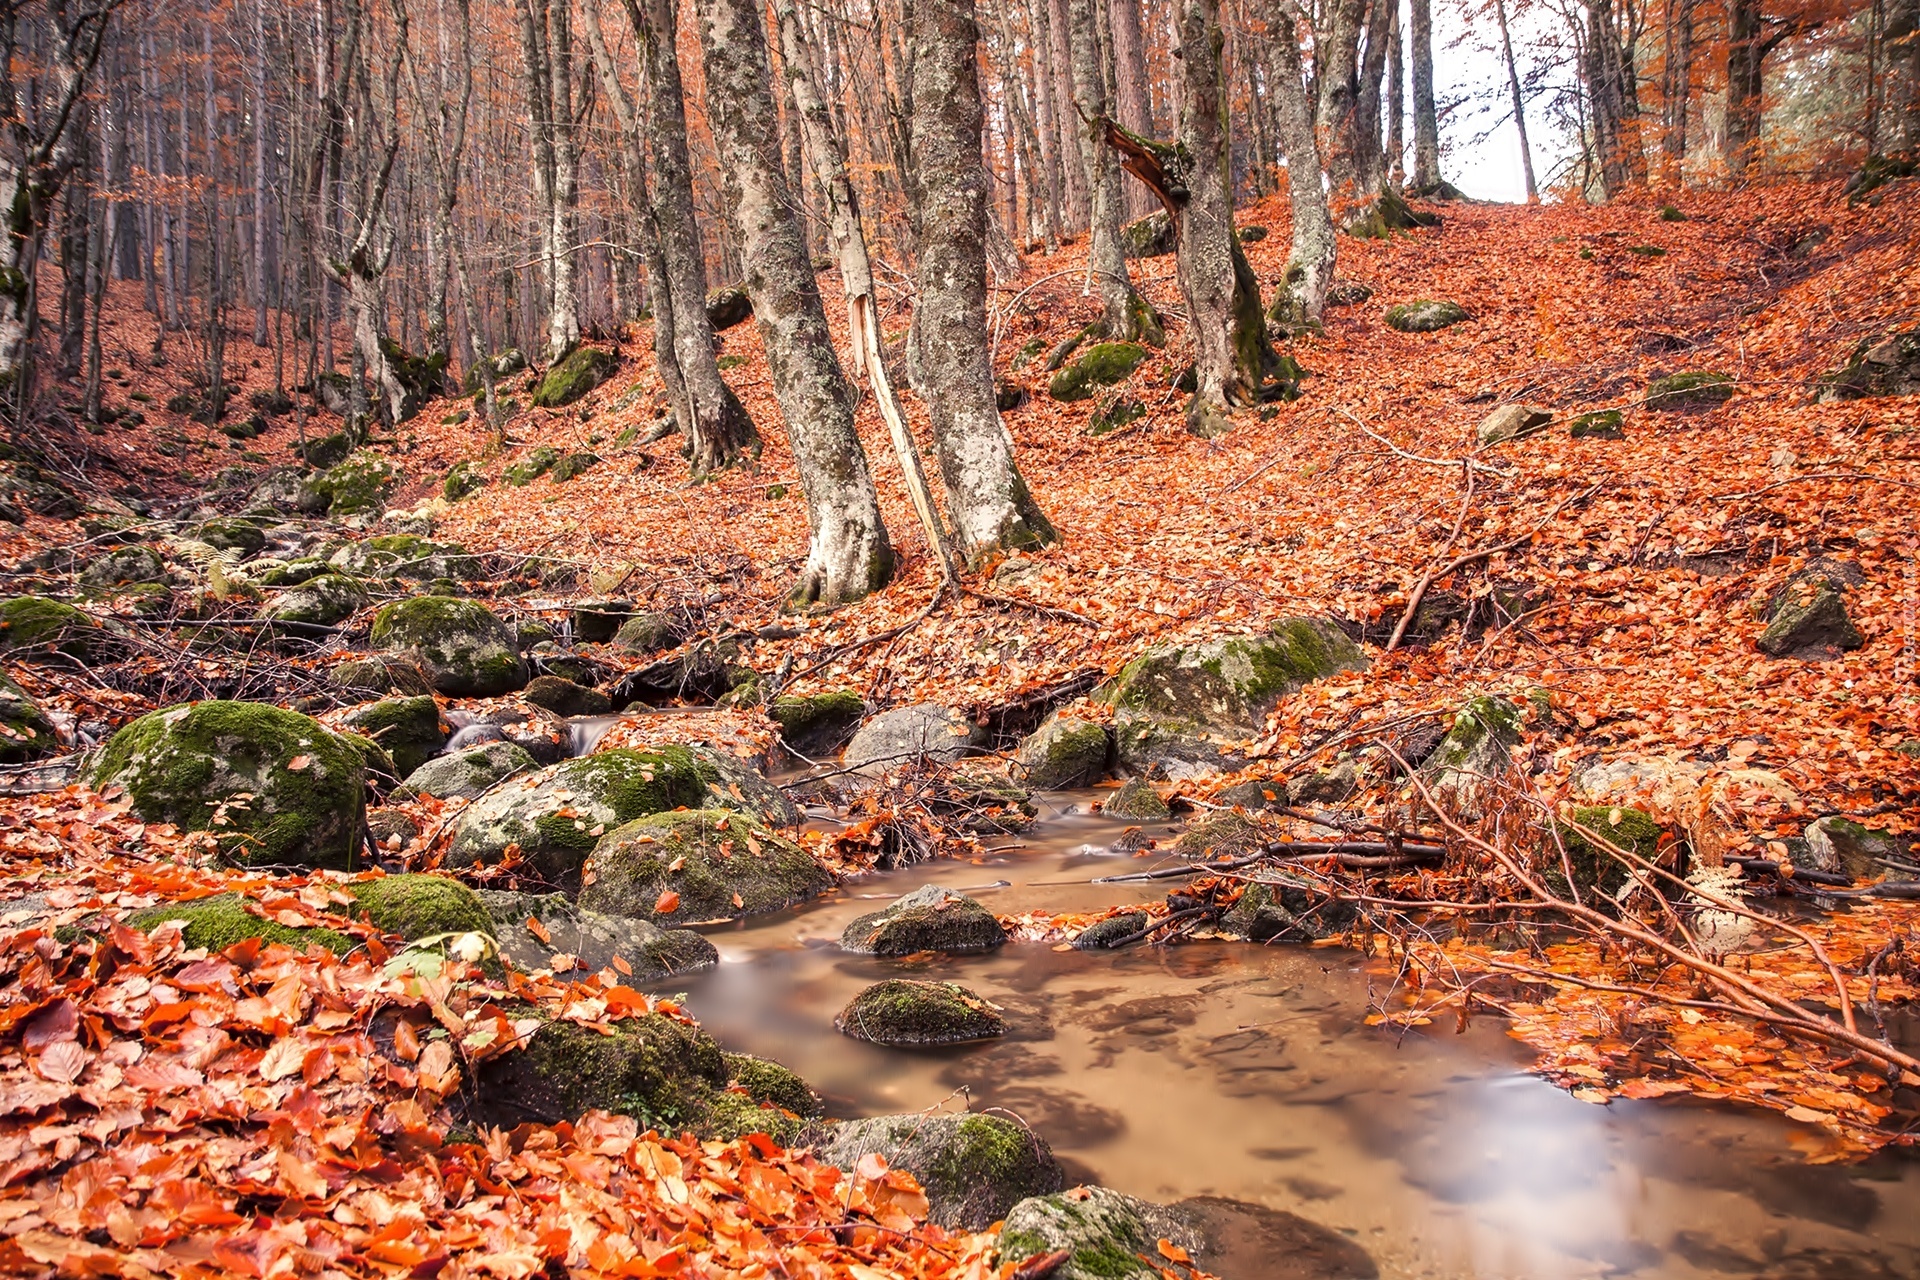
1102	934
236	760
463	648
1887	365
1136	801
125	566
664	1073
573	377
648	633
1388	213
376	676
1153	236
1646	251
1841	844
1252	235
594	939
1671	213
1594	869
321	601
409	730
727	307
535	463
720	863
1115	414
565	698
572	465
1476	754
1812	625
818	724
973	1168
463	481
406	555
232	534
222	921
597	621
1424	315
35	623
1028	352
357	486
1221	834
419	906
1106	1235
903	1013
287	573
1101	365
1680	391
325	451
1269	913
25	731
465	774
1601	424
928	919
1064	752
765	1080
905	735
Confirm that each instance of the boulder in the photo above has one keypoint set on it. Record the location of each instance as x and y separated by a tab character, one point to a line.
1601	424
908	734
1286	913
648	633
928	919
272	786
405	555
664	1072
1840	844
698	864
1101	365
819	724
1680	391
727	307
1424	315
417	906
1476	754
1807	617
533	464
25	731
358	486
124	566
1595	868
1150	237
1136	801
571	378
591	939
565	698
465	774
223	920
228	533
1888	365
596	621
1325	786
901	1012
572	466
463	648
322	601
1102	934
409	730
1175	704
463	481
973	1168
37	624
372	677
1107	1235
1510	421
1064	752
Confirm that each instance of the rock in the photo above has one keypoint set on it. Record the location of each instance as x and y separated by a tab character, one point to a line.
373	677
1256	795
1807	616
221	921
1349	293
901	1012
728	307
1286	913
1601	424
817	725
409	730
1252	235
1689	391
1064	752
928	919
767	1081
391	828
463	481
1841	844
732	783
648	633
230	534
534	464
1326	786
358	486
596	621
1174	704
406	555
1115	414
328	450
570	379
1475	756
720	864
1137	801
1150	237
973	1168
37	624
460	645
1510	421
908	734
565	698
1102	934
1109	1236
25	731
1888	365
591	938
419	906
1221	834
272	786
1423	315
318	602
659	1070
573	465
1595	870
1101	365
465	774
124	566
1670	784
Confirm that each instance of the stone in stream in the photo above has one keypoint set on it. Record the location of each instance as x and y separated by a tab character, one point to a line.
1064	752
565	698
1476	754
1102	934
902	1012
973	1168
464	774
930	918
1840	844
1137	801
1286	913
463	648
698	864
819	724
591	938
907	734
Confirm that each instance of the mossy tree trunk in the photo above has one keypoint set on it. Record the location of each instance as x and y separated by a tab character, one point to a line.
718	428
1310	264
990	503
1124	315
1426	116
849	555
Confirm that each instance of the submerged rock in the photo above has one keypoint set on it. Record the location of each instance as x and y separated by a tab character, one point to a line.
591	938
1108	1236
904	1013
973	1168
1102	934
1286	913
698	864
928	919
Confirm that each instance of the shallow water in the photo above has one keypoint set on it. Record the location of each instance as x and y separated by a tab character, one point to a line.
1230	1070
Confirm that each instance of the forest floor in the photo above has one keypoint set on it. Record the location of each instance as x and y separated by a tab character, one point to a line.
1644	563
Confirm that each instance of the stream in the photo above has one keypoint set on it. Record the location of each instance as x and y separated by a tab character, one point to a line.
1225	1069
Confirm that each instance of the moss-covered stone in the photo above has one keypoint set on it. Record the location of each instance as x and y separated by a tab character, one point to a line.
665	1073
1476	753
1106	1235
268	572
1136	801
1101	365
1102	934
728	306
463	481
357	486
901	1012
535	463
321	601
765	1080
1269	913
410	730
221	921
409	556
928	919
593	939
1886	365
1807	616
419	906
648	633
1601	424
720	864
373	677
1424	315
1840	844
463	648
973	1168
124	566
1671	213
565	698
1594	869
1150	237
325	451
232	534
1115	414
573	377
1064	752
1702	390
25	731
272	786
464	775
572	465
817	724
35	623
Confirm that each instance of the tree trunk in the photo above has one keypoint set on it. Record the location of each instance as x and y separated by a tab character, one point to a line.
1673	140
1519	103
1369	158
1058	37
1310	262
1396	104
1133	105
1901	41
1336	76
546	48
849	555
991	506
1124	314
1046	122
259	69
1426	116
1744	82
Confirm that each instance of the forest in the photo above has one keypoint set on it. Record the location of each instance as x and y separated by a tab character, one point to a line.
960	639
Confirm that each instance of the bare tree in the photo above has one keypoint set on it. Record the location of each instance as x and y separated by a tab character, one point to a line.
1310	263
546	52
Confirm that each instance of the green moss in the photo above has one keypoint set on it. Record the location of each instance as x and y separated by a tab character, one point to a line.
462	481
356	486
25	732
408	729
1594	869
227	767
817	722
1114	415
1671	213
219	922
1646	250
1701	390
1424	315
1028	352
420	906
35	622
1136	801
574	464
647	633
727	865
376	676
536	463
232	534
125	566
663	1072
321	601
1100	365
463	647
767	1081
1603	424
573	377
902	1011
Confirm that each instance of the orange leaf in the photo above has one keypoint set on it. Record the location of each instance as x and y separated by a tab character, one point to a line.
668	904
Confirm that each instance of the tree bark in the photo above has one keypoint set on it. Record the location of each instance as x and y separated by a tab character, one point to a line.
1744	82
1056	36
1519	103
1133	105
546	51
1396	103
1336	77
1311	259
991	505
848	556
1124	314
1426	116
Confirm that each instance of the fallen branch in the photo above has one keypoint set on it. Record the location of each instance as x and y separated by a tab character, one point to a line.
1818	475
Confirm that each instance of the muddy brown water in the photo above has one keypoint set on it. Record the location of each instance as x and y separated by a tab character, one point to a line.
1220	1069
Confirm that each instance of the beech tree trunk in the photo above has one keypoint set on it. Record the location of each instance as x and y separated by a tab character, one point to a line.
990	504
1426	115
546	49
1745	51
1055	33
849	555
1133	106
1310	262
1519	103
1679	95
1124	314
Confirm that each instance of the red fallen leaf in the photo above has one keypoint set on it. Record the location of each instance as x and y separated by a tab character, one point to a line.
1172	1252
54	1022
63	1062
1042	1265
539	930
406	1042
299	763
668	903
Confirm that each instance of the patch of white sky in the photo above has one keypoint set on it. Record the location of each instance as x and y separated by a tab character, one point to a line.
1479	146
